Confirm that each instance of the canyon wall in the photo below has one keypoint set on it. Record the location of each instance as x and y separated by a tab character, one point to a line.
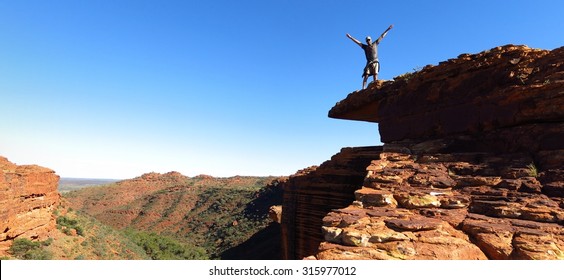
28	197
471	166
311	193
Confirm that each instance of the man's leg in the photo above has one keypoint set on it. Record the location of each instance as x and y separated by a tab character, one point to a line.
376	69
364	78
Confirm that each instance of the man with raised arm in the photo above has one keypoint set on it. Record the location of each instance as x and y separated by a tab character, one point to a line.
371	51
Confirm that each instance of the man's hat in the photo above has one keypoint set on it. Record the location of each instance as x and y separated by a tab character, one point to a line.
368	38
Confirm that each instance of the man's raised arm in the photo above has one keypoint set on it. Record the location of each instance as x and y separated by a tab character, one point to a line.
384	34
354	40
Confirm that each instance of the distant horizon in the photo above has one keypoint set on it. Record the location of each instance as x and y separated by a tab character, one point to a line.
116	89
98	179
120	179
162	172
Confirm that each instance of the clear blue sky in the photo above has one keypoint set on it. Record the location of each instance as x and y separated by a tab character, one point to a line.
114	89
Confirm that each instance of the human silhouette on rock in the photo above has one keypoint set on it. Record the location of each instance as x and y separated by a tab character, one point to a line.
371	52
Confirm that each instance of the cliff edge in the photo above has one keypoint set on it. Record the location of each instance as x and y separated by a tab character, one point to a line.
28	197
471	168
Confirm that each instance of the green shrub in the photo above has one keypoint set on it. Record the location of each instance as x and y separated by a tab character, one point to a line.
160	247
47	242
26	249
66	224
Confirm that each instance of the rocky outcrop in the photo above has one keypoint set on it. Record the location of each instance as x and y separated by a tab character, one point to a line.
313	192
447	206
500	88
471	168
275	213
28	196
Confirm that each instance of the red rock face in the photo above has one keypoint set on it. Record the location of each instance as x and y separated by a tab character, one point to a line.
28	196
447	206
471	168
503	87
313	192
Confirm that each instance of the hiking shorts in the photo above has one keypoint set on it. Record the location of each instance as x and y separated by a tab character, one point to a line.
371	68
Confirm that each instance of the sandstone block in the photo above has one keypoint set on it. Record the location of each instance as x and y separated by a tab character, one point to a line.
371	197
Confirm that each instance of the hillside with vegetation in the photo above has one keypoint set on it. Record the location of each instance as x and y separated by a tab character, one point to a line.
205	214
78	237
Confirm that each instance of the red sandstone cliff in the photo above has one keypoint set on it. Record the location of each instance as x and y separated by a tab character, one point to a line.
28	196
311	193
471	168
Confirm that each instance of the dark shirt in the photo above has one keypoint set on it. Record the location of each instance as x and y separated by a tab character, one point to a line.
371	52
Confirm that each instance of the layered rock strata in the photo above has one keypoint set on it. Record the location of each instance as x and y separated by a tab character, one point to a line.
313	192
28	197
471	168
499	88
448	206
